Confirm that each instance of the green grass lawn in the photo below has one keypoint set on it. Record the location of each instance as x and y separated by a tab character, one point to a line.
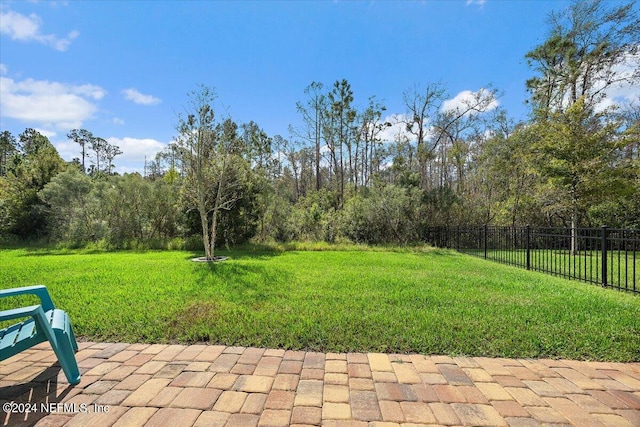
623	268
431	302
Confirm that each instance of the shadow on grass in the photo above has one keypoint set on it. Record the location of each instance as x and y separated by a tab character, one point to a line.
221	303
244	275
240	254
38	252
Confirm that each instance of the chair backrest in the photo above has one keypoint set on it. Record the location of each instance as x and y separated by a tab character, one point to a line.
39	290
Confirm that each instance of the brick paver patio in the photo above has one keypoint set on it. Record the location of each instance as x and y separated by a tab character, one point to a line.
200	385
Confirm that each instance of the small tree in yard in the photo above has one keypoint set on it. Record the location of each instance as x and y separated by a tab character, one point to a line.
213	166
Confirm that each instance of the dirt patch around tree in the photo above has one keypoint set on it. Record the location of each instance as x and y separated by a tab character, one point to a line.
205	259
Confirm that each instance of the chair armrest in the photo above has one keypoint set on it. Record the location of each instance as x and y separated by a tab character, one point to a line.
16	313
39	290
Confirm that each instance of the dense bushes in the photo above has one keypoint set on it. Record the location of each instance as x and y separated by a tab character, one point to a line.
389	215
122	211
130	211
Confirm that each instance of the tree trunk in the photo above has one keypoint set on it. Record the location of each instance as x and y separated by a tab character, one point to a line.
205	233
214	218
574	230
318	163
214	232
84	155
318	129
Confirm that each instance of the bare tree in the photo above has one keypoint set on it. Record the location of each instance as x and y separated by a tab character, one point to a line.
454	124
422	105
82	137
313	115
368	140
214	169
99	147
110	153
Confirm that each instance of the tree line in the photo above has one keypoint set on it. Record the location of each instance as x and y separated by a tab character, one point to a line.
350	172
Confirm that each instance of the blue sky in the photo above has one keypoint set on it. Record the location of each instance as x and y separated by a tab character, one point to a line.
122	69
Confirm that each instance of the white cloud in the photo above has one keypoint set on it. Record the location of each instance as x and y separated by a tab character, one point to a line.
27	28
118	121
68	149
128	169
398	127
624	91
134	151
46	132
482	100
134	95
478	2
3	69
51	104
475	102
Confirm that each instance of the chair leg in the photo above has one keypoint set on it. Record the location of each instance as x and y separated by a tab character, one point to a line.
65	353
60	340
72	338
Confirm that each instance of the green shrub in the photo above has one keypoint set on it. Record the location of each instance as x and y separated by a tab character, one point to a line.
389	215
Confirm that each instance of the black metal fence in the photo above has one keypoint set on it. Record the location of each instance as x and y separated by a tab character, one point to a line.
604	256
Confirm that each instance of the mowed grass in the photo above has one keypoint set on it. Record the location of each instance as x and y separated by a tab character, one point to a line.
623	267
430	302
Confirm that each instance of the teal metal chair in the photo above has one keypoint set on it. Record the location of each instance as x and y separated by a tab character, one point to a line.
45	323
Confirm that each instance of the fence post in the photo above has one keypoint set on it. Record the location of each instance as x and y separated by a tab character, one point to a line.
603	248
458	238
486	231
528	244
